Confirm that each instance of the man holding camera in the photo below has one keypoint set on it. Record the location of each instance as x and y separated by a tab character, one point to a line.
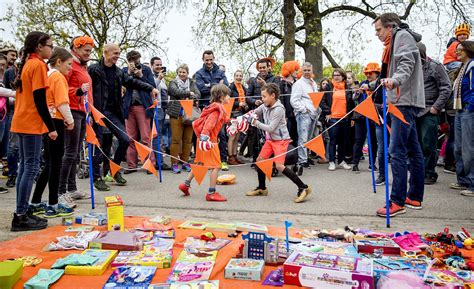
107	82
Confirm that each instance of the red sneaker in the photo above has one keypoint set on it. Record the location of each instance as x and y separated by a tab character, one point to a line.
394	210
216	197
413	204
185	189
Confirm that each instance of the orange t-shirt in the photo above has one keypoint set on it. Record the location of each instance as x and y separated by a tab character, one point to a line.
26	118
57	93
338	107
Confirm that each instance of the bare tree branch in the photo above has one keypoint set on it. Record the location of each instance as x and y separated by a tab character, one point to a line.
348	8
330	58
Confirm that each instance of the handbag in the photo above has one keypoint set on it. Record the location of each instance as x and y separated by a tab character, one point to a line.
195	115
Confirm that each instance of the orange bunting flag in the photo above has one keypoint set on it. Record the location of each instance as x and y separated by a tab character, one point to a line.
143	151
187	105
367	109
316	97
90	136
266	166
397	113
153	130
389	129
228	107
155	103
317	146
98	116
148	165
114	168
199	172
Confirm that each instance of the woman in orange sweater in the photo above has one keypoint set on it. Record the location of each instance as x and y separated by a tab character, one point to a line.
31	120
207	128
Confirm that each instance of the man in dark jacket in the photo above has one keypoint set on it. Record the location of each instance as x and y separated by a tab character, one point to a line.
107	81
209	75
254	100
135	109
437	92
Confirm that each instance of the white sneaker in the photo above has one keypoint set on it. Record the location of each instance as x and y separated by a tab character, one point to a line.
65	199
345	166
77	195
467	193
332	166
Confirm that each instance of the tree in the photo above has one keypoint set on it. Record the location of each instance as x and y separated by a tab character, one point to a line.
129	23
262	27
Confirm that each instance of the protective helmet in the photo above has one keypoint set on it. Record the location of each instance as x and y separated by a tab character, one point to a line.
463	28
372	67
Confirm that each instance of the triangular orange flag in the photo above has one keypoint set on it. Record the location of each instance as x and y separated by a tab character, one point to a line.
397	113
199	172
389	129
367	109
316	97
187	105
317	146
228	107
98	116
114	168
153	130
143	150
266	166
148	165
155	103
90	136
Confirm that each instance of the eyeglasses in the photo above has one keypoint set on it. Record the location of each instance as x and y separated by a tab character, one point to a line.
49	45
458	50
336	75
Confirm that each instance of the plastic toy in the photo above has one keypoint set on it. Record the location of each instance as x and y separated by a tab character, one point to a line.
226	179
257	246
468	243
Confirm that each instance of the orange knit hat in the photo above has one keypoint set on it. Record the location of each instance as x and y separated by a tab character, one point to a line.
372	67
463	28
82	40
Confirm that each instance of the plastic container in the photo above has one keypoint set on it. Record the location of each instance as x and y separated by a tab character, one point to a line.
10	273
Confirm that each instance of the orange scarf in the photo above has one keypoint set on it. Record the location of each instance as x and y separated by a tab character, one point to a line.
240	91
338	85
386	49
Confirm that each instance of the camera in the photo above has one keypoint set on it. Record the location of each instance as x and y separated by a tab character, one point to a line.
163	69
138	66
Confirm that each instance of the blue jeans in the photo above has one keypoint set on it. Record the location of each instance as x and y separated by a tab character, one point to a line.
449	154
30	157
12	156
5	133
360	127
464	148
166	133
404	147
380	150
337	138
306	127
427	129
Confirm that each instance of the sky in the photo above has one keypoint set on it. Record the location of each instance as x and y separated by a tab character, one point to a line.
181	46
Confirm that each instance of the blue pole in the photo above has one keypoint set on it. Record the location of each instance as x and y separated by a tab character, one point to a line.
385	154
369	142
158	134
89	148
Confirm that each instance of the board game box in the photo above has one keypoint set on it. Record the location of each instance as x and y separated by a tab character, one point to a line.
190	271
244	269
98	268
158	254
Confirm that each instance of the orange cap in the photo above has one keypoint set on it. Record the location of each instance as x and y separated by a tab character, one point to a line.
372	67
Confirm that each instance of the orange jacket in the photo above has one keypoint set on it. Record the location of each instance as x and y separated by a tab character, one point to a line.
211	120
450	54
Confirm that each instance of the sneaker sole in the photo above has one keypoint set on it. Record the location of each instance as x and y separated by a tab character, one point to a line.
449	172
458	188
257	195
468	194
28	229
394	214
413	207
309	190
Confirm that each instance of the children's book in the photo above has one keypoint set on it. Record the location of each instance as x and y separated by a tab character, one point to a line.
207	284
193	225
186	256
190	271
79	229
193	244
130	277
221	227
249	227
150	226
158	255
163	220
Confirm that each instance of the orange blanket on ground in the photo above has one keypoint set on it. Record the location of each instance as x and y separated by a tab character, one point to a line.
32	244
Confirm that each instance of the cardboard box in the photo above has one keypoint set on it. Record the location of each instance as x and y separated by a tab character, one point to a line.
324	271
116	240
92	218
99	267
244	269
368	245
114	206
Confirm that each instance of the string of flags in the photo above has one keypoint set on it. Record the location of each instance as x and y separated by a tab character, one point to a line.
365	108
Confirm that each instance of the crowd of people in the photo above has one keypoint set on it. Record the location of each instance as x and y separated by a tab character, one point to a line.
44	110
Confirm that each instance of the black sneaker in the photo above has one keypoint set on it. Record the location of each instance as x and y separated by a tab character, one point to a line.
3	190
380	181
11	182
355	169
130	171
37	219
300	170
450	170
26	223
36	209
375	168
100	185
119	179
430	181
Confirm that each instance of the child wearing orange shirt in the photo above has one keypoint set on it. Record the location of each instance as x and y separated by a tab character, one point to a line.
461	34
58	103
31	120
207	127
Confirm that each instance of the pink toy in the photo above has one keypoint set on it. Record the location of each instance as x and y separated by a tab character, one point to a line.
398	279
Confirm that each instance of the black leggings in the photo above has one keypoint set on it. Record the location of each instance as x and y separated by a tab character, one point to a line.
53	155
